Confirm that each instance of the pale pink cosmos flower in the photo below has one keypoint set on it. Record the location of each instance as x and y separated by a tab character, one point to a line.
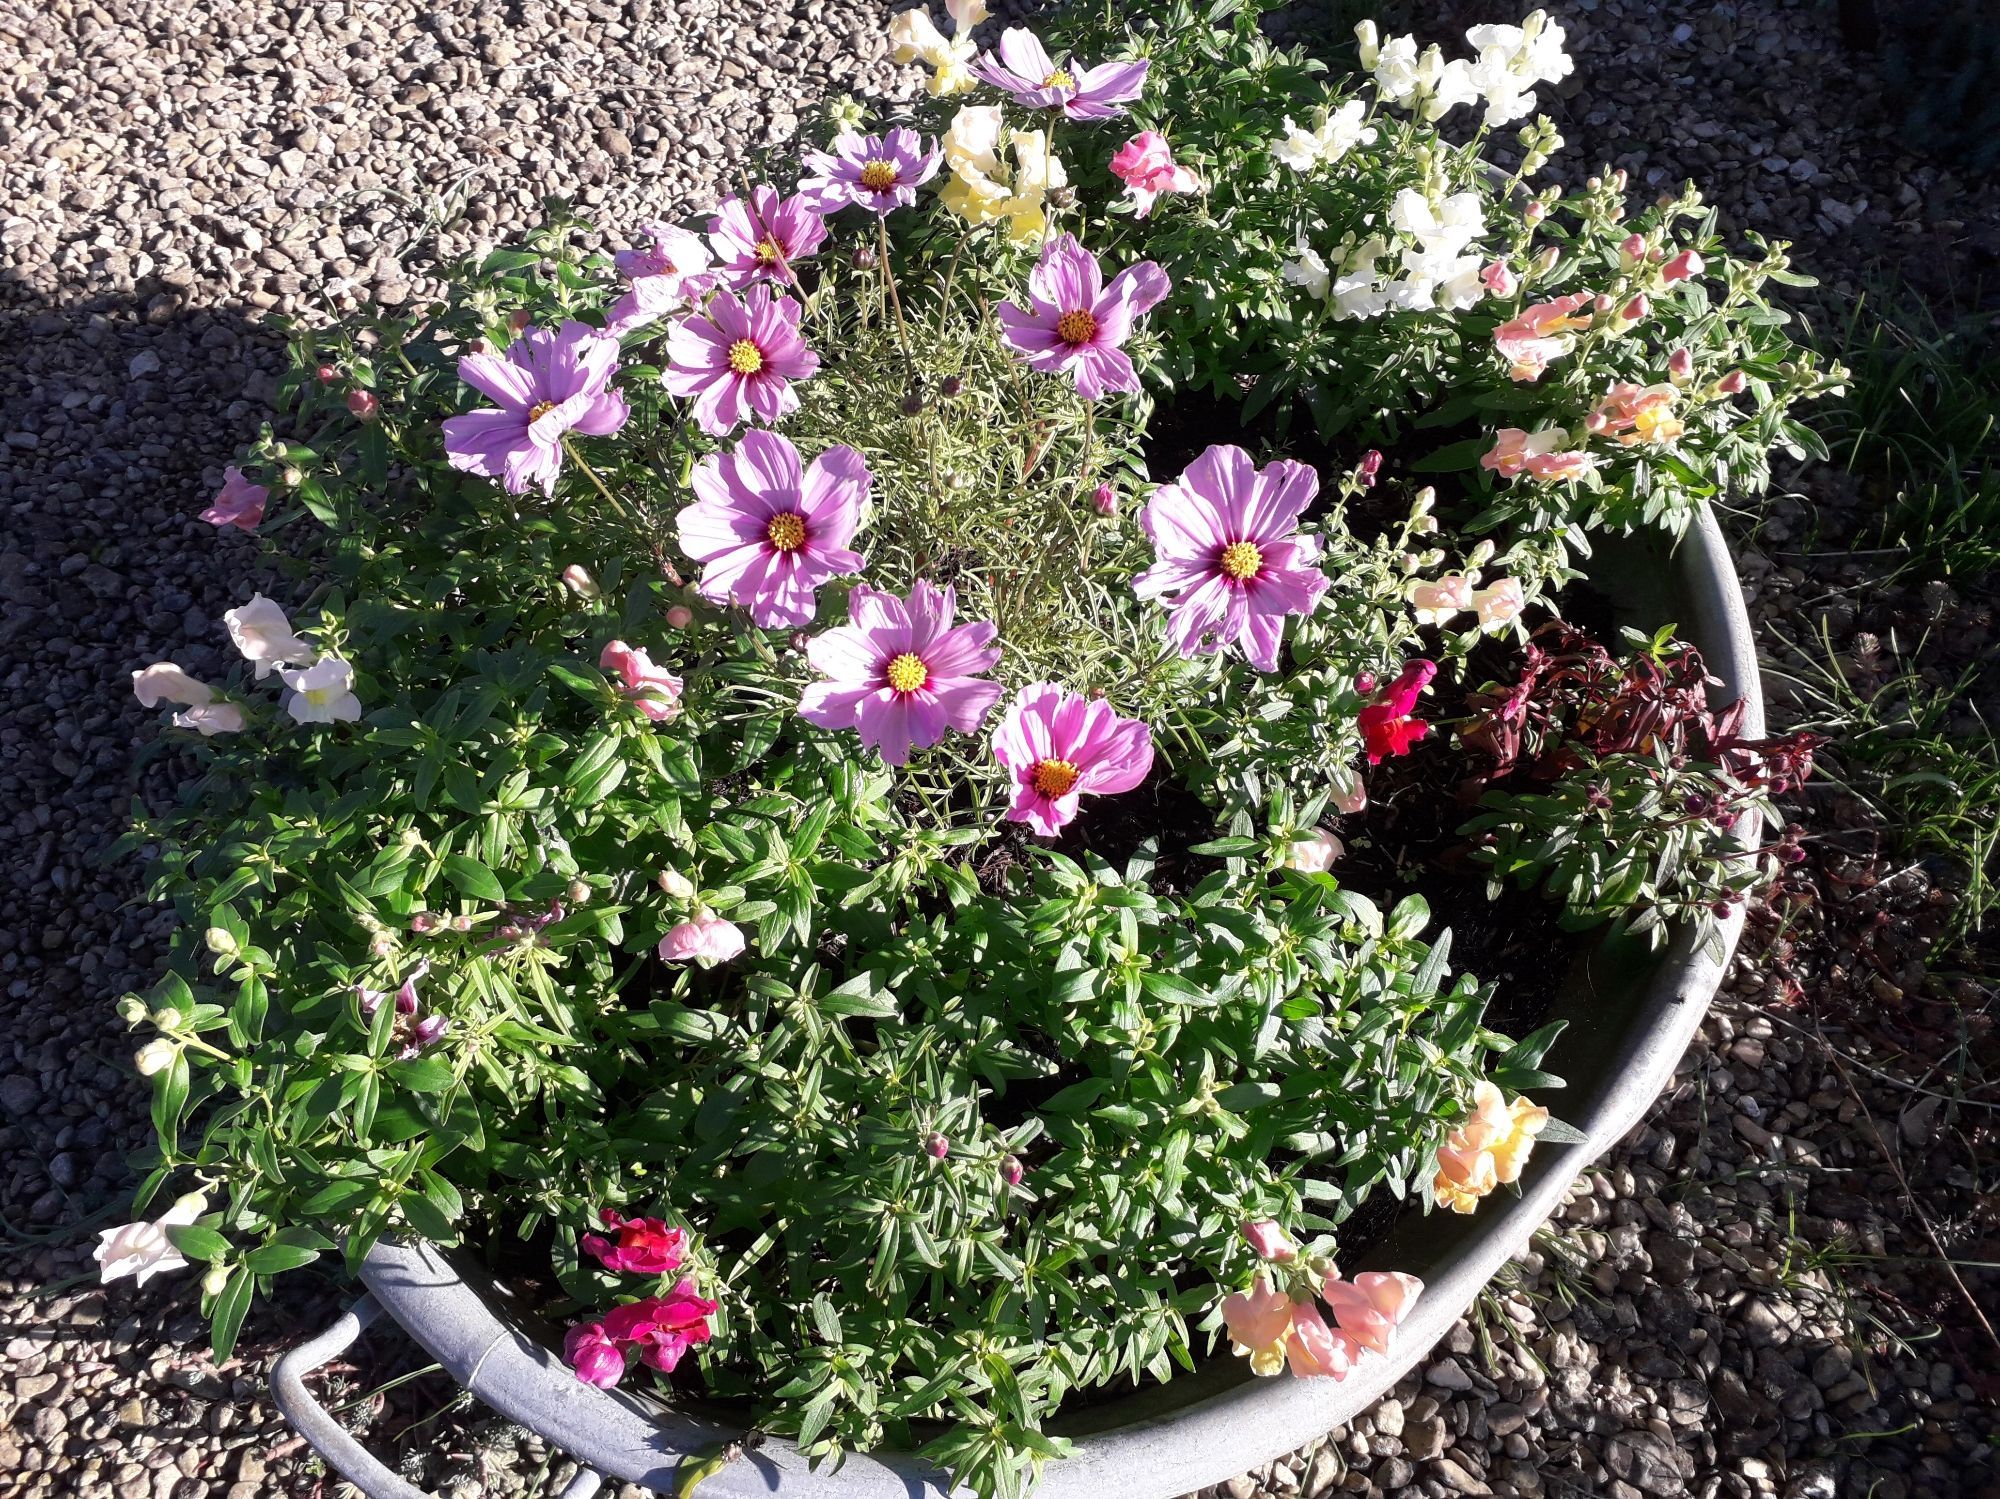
1057	745
1314	1350
1499	279
1230	566
210	719
1540	455
707	937
1270	1240
1145	164
764	237
1371	1306
238	503
1075	323
670	275
1260	1323
1499	603
164	682
322	692
143	1250
1539	334
1021	66
1435	603
900	673
1314	854
547	383
264	635
738	358
1682	266
654	690
768	532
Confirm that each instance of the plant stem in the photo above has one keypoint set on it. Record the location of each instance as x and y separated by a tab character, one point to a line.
889	286
591	474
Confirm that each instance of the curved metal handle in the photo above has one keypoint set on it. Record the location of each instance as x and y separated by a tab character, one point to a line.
331	1440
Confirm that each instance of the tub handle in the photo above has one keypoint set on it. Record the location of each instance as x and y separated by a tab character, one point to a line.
331	1440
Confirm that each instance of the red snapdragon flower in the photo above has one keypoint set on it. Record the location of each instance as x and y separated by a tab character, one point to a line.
643	1246
1388	726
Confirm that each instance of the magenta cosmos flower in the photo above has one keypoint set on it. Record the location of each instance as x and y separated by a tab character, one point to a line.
238	503
1076	323
1228	556
763	237
1057	745
1022	67
548	382
739	359
768	533
665	278
876	172
900	673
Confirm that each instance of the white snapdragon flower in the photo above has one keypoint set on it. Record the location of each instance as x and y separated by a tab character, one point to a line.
143	1250
1443	228
1341	131
265	636
1451	84
1396	76
1309	271
322	692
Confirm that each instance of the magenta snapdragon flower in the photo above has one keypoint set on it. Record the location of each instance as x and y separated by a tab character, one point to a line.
738	359
1074	322
1021	66
238	503
876	172
547	382
1057	745
900	673
1228	556
659	1329
767	532
672	274
764	237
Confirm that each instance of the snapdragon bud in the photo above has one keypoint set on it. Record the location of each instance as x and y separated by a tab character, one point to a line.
461	923
1732	384
1371	465
216	1279
1535	212
383	945
1420	506
155	1056
1632	251
1370	41
579	892
1104	499
169	1019
676	884
1680	366
291	476
423	922
220	941
1549	258
1635	309
327	374
1011	1170
1481	554
577	579
937	1146
679	617
363	404
131	1009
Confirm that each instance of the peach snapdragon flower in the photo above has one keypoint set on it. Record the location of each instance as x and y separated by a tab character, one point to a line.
1541	455
1489	1149
1631	414
1539	334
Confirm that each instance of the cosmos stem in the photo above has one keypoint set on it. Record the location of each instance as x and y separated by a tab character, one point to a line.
591	474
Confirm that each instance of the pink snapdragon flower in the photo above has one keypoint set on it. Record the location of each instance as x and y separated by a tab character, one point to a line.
1228	556
1074	323
1349	795
164	682
595	1357
1314	854
210	719
1370	1307
1681	267
660	1330
665	278
1269	1239
1260	1323
1632	414
548	382
1145	164
642	1246
1539	334
1435	603
654	691
1021	67
880	173
900	673
767	532
1058	745
706	938
764	237
1499	603
238	503
737	359
1499	279
1540	455
1389	725
1312	1349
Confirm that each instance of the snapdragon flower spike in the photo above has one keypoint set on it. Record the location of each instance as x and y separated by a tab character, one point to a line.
1230	568
641	1246
1058	745
670	275
880	173
764	237
654	690
238	503
1021	67
658	1329
767	532
1075	324
900	673
737	360
1389	725
548	382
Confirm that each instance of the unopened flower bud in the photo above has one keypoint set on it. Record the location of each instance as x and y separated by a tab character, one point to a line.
220	941
1633	251
215	1280
1350	796
1011	1170
1364	682
1732	384
1619	179
1370	41
913	402
131	1009
1681	267
327	374
1105	499
1593	183
1548	259
578	580
676	884
1480	555
1603	303
950	386
1371	466
461	923
936	1146
155	1056
518	320
578	892
1535	212
423	922
1635	309
510	933
363	404
679	617
1680	366
863	258
291	476
169	1018
1420	506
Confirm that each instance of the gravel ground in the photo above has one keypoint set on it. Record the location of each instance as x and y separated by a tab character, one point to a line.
1719	1310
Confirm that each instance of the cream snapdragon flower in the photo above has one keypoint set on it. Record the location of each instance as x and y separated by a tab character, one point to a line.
914	37
983	189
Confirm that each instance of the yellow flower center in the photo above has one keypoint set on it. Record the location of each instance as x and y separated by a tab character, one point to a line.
878	176
907	672
767	251
1078	327
787	532
319	697
1053	778
1657	424
1060	78
539	410
745	357
1241	560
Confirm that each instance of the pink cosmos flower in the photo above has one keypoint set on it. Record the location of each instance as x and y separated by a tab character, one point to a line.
767	533
1057	745
707	937
667	277
738	359
900	673
238	503
764	238
1371	1306
643	1246
654	691
1388	725
1498	279
1270	1240
878	172
1540	455
1228	556
1682	266
1024	69
1313	1349
1145	164
1538	334
1260	1323
548	382
1074	322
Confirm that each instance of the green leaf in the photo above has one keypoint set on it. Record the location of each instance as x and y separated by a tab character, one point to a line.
275	1258
860	995
473	878
423	1074
196	1242
226	1316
